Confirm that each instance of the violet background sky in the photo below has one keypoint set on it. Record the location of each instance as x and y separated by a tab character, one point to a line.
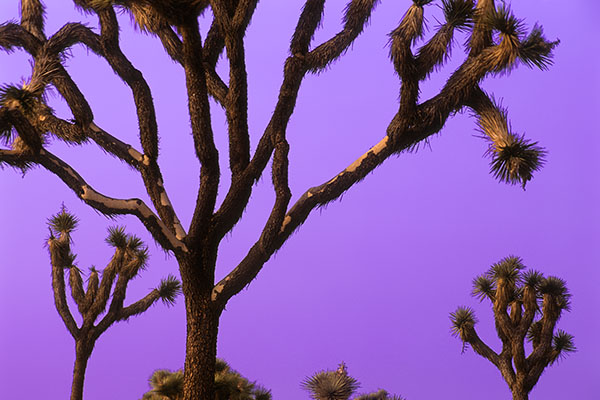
369	280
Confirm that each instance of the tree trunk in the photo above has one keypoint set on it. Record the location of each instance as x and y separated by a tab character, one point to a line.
201	342
520	394
82	355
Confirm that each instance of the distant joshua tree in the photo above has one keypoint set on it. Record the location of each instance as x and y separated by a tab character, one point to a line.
229	385
338	385
497	41
129	258
526	306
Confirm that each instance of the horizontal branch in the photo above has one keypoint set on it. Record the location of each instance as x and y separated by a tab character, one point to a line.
106	205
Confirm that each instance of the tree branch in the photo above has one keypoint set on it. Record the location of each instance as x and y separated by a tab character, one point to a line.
59	249
139	306
32	17
356	16
76	284
199	110
482	32
98	201
480	347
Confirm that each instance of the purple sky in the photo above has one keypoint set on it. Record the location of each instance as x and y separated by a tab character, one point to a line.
371	279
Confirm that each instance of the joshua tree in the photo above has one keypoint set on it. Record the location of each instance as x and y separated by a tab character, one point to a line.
229	385
338	385
129	259
331	385
526	306
496	43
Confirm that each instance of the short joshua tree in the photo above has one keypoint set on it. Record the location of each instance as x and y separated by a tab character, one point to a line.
331	385
129	259
338	385
229	385
526	306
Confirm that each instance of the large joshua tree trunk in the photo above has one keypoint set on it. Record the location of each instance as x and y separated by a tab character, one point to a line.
202	328
83	352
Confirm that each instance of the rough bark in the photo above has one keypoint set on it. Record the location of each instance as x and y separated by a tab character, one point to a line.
82	355
202	327
520	394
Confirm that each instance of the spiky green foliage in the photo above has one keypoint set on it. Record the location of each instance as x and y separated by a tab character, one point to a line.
261	393
169	289
557	289
331	385
536	50
63	222
229	385
116	237
166	383
458	13
563	344
134	243
484	287
14	97
507	269
515	162
532	278
505	22
534	332
462	319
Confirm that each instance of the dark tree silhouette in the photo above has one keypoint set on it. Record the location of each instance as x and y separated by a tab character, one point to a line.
516	297
129	259
497	41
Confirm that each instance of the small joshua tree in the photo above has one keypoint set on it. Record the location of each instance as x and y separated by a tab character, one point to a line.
331	385
229	385
526	306
338	385
130	257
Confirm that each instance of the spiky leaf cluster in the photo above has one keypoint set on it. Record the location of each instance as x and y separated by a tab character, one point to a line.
463	320
14	97
165	383
169	289
535	50
331	385
557	289
458	13
505	22
507	269
484	287
117	237
563	344
229	385
516	161
63	222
